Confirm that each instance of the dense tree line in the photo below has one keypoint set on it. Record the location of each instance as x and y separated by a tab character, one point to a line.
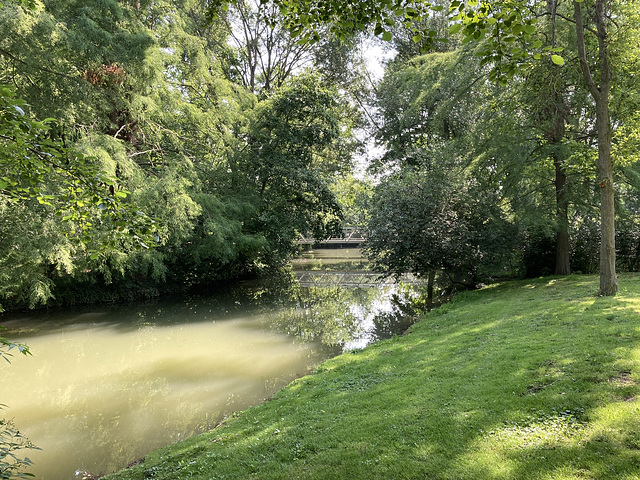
508	177
159	166
602	43
183	147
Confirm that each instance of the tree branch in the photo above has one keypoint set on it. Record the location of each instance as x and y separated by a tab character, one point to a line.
582	54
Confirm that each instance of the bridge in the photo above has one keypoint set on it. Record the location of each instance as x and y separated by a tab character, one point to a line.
328	278
352	236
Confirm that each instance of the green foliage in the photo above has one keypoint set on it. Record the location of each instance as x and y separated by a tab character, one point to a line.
289	162
5	343
353	196
428	104
149	120
505	31
514	140
442	207
421	222
56	200
26	4
11	440
511	42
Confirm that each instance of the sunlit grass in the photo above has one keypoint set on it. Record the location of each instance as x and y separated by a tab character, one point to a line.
526	380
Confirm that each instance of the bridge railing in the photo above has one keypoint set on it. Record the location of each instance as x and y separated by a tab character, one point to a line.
350	235
329	278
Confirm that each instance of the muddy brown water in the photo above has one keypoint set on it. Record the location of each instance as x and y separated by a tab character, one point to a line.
107	384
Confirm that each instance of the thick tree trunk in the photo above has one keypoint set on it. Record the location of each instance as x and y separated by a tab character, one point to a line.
555	136
563	251
608	278
556	114
430	280
600	93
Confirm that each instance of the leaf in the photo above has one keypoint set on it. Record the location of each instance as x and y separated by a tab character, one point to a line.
453	29
557	59
386	36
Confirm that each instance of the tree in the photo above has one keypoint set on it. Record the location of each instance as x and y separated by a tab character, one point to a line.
36	165
146	101
553	112
298	139
145	110
46	186
267	53
601	91
505	30
434	220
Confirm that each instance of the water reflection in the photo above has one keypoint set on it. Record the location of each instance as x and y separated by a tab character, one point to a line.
348	318
106	385
331	259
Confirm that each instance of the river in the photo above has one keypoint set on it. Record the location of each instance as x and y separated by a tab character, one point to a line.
107	384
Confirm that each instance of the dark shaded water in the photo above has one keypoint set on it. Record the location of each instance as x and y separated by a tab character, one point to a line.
107	384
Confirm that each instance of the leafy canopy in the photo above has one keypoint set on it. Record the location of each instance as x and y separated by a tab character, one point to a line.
506	28
34	165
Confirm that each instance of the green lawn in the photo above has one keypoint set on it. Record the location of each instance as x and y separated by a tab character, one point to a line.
527	380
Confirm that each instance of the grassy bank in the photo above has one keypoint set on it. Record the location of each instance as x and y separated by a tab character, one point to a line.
526	380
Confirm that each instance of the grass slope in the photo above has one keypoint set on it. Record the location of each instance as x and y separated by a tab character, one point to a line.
527	380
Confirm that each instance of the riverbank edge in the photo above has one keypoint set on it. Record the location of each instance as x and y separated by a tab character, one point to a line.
527	379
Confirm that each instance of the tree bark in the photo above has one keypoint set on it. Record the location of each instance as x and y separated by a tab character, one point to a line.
608	278
557	115
563	266
430	281
600	94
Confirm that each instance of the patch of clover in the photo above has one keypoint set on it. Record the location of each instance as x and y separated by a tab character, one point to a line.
540	430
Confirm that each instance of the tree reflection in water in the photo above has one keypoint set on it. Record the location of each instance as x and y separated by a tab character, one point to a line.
348	318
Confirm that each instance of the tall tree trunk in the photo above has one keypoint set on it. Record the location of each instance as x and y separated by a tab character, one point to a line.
600	93
608	278
555	137
556	115
430	281
563	251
